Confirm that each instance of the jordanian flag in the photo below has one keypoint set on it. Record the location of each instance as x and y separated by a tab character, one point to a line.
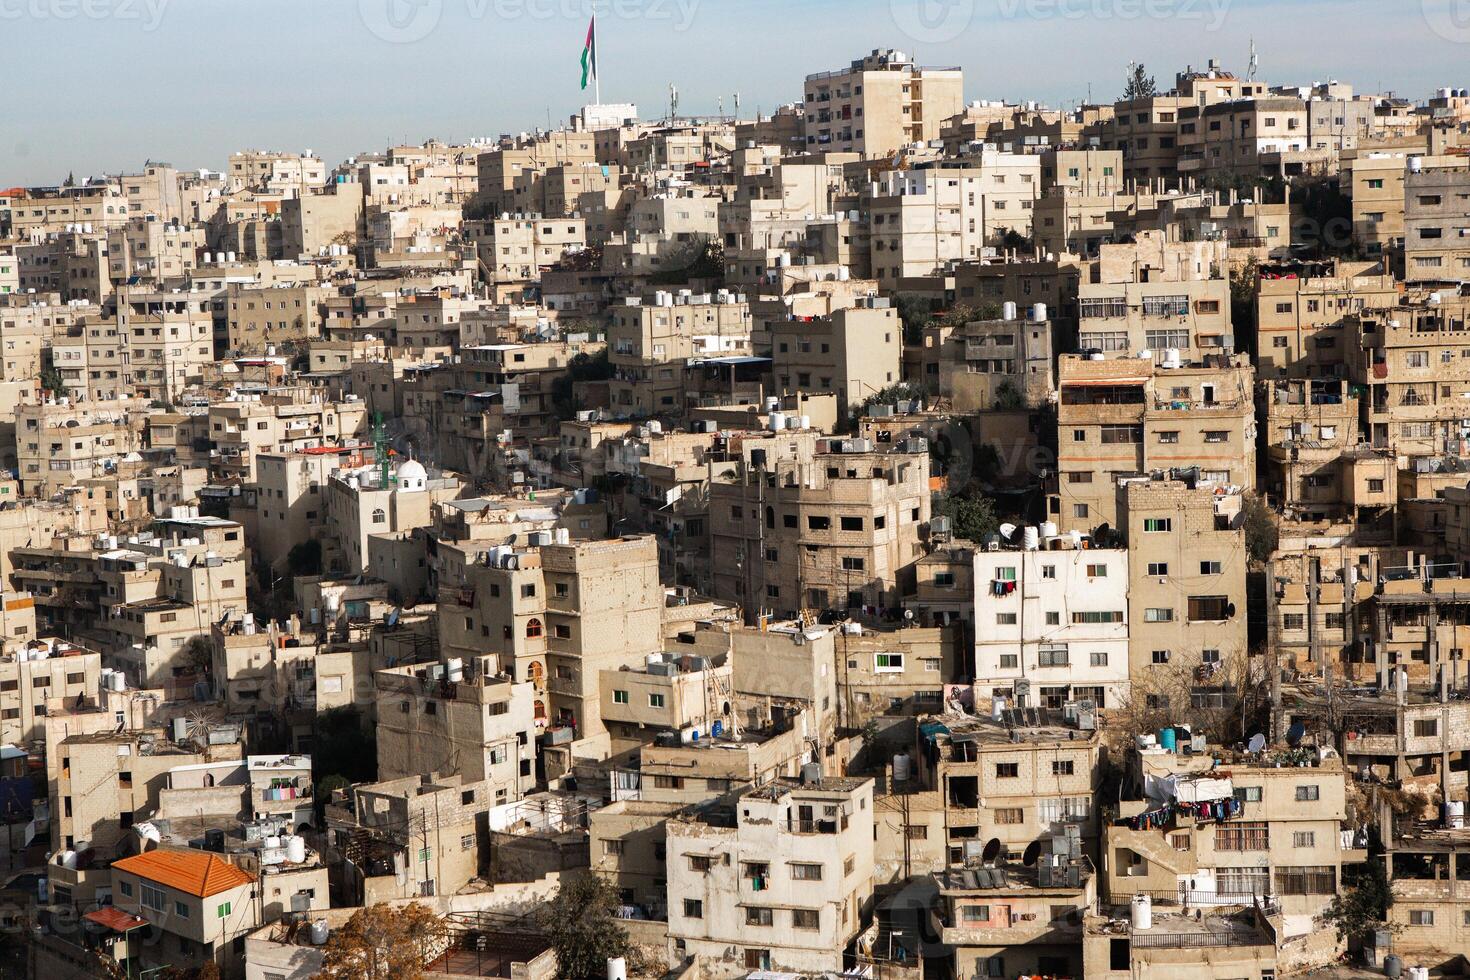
589	54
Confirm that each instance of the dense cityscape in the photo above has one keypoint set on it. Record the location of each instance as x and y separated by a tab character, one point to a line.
893	536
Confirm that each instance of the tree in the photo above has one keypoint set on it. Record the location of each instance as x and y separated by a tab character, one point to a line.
1140	84
583	927
580	369
1262	534
971	514
383	941
902	391
341	746
1358	911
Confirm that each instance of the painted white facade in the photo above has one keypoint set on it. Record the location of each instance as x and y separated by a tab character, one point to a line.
1063	627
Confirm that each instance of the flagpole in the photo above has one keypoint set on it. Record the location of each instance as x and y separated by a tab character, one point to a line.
596	68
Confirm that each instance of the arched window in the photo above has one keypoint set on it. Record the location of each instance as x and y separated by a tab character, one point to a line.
533	628
379	516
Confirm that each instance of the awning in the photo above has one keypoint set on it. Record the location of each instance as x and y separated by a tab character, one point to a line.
1104	382
114	918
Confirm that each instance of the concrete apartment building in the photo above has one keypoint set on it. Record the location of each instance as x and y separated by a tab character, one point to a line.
1303	311
266	170
315	220
991	364
513	249
34	670
1186	587
1409	359
59	444
413	836
854	352
1012	780
649	344
1051	622
880	103
1436	223
835	532
264	317
797	855
284	421
1284	836
670	693
289	503
1128	416
1081	170
923	220
1255	136
463	716
1319	467
1157	296
357	504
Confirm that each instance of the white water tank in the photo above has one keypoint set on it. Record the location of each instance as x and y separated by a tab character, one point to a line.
1038	313
901	768
777	421
273	843
1171	358
296	849
1031	540
456	670
1454	814
319	932
1418	973
1049	529
617	968
1008	311
1143	912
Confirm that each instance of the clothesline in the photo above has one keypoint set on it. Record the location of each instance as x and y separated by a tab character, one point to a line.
1216	810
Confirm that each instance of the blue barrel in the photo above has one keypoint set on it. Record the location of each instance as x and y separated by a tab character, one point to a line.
1166	739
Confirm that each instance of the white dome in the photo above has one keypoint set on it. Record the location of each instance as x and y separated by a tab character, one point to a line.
412	475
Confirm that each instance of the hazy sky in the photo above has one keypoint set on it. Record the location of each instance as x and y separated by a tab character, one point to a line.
90	86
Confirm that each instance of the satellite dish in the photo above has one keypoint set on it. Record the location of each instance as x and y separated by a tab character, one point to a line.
1033	851
908	614
992	848
1294	734
1256	744
1006	530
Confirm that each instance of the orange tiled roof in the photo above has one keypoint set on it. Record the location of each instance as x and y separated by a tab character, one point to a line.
199	873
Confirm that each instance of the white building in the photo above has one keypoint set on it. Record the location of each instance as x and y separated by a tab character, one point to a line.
1052	625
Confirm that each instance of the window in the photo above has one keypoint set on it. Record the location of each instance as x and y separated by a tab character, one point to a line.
181	910
1209	608
1007	770
805	919
655	700
1052	655
806	872
1248	794
851	523
1210	568
758	916
1097	571
1158	615
1217	435
1096	618
1098	658
1062	767
126	887
1303	838
380	516
976	913
1306	881
1160	656
1426	727
1421	917
1169	438
1308	794
1158	569
620	697
887	663
1010	815
693	908
1005	619
1155	525
222	911
153	898
1248	836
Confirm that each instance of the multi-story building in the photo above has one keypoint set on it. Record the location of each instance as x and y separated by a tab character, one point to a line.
1186	588
1052	621
796	857
1436	223
832	532
854	352
200	903
1318	464
992	364
1128	416
649	343
1303	311
879	104
1410	361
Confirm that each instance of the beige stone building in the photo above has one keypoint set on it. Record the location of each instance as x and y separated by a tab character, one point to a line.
1436	223
650	342
1302	315
854	352
879	103
833	533
1128	416
202	904
797	857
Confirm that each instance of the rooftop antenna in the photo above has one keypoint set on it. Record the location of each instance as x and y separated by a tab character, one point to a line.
737	105
1254	62
673	102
